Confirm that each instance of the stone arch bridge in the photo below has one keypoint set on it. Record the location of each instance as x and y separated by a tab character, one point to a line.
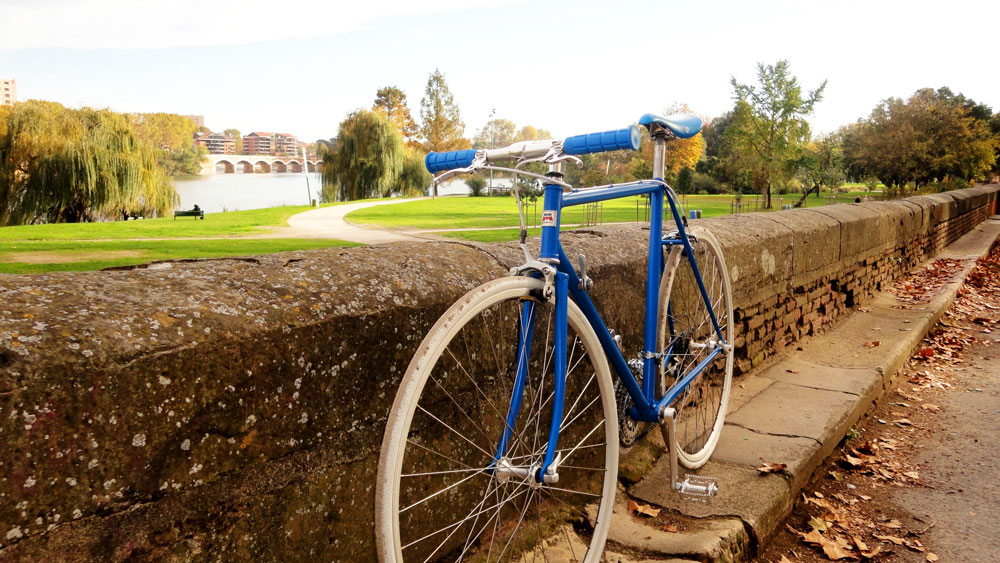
257	163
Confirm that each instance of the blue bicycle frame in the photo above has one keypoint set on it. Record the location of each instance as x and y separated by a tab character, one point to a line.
567	285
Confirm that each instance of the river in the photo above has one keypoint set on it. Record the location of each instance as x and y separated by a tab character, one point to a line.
233	192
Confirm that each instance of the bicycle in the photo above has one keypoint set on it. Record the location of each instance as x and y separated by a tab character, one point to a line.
481	457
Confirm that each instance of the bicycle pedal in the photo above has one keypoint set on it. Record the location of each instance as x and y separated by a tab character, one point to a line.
698	488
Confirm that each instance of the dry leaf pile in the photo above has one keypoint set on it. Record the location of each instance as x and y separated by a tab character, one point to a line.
919	286
838	523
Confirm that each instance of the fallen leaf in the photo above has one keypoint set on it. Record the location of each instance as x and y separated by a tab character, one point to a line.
643	509
915	545
784	560
912	475
930	407
893	524
813	537
931	556
771	467
836	550
862	546
669	528
819	524
903	422
893	539
852	461
873	553
792	370
865	497
926	352
873	344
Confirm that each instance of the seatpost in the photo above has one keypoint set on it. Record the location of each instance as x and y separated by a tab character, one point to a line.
659	154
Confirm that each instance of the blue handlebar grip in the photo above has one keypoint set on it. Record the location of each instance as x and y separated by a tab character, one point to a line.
439	161
627	138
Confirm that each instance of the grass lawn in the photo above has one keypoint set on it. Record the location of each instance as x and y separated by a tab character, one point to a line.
230	223
91	246
491	212
32	256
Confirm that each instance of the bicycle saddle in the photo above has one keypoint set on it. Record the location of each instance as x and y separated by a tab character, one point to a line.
682	125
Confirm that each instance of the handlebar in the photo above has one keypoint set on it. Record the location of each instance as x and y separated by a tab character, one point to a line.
605	141
627	138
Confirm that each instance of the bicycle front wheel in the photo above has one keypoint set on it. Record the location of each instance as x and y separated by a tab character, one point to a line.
439	494
686	338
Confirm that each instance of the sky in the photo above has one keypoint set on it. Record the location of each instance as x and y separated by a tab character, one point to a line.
569	67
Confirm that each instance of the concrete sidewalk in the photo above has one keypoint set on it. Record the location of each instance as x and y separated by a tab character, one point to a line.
795	412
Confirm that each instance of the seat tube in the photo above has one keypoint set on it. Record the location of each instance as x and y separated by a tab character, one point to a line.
654	271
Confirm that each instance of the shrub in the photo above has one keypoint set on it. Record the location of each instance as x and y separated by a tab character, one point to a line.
476	185
705	183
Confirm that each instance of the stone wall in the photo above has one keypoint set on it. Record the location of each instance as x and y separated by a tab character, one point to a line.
233	408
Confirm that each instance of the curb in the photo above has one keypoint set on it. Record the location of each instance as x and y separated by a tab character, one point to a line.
794	411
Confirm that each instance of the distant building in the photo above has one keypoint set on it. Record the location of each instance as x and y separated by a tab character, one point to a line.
8	91
274	144
199	120
216	143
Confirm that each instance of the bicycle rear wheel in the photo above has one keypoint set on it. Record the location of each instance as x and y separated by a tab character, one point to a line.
686	336
438	497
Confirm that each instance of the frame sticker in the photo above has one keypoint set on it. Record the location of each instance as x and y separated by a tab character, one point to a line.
549	218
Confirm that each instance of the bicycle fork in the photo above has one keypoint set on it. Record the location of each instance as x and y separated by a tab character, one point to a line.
547	470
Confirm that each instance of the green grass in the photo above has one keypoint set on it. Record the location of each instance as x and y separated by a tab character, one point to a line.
485	212
92	246
493	212
231	223
66	256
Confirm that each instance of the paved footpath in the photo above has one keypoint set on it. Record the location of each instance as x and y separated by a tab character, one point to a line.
795	412
329	222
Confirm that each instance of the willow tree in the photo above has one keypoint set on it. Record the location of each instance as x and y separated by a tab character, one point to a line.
366	160
67	165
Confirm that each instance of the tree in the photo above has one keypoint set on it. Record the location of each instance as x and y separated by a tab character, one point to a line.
684	180
414	179
235	134
166	131
442	126
768	128
367	159
530	133
70	165
822	166
392	101
931	137
496	133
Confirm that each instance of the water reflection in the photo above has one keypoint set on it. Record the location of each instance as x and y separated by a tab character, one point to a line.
232	192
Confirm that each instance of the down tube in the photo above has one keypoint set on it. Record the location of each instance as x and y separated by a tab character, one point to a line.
644	409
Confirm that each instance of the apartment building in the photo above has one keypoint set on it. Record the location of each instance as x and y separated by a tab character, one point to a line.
216	143
8	91
274	144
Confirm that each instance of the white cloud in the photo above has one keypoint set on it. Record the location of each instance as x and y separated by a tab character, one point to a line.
137	24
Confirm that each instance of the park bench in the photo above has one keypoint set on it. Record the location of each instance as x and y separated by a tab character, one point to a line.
190	213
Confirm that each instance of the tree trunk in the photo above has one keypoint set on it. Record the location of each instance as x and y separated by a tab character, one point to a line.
802	199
